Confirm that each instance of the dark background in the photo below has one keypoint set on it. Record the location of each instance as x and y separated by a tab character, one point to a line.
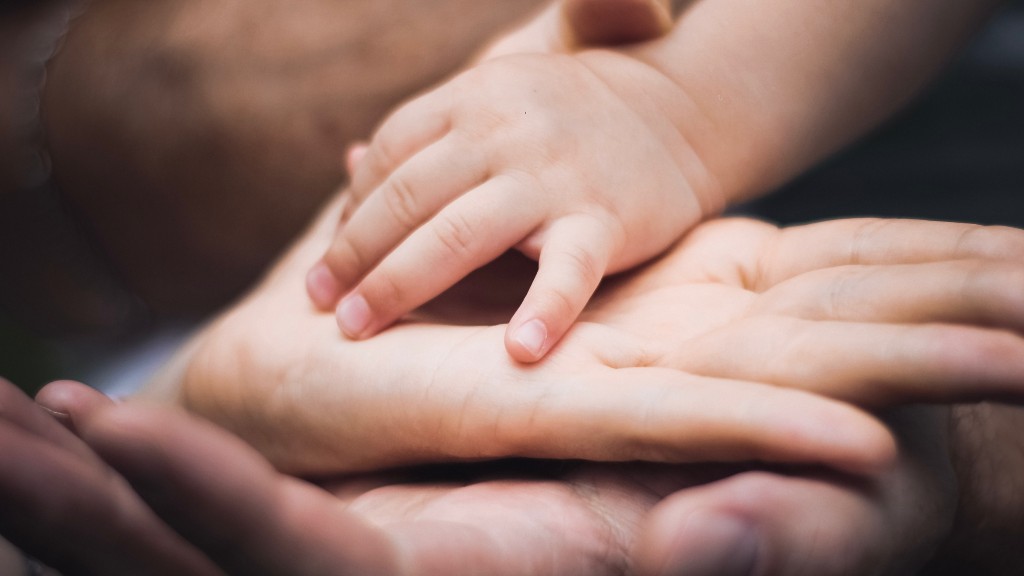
956	154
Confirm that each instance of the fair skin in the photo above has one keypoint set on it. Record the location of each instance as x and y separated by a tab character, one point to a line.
645	373
514	153
587	518
197	139
591	518
130	438
879	528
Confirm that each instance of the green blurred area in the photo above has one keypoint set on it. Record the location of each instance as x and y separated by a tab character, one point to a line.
25	359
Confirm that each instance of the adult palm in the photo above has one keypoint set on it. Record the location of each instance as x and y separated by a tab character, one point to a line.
556	517
205	503
696	358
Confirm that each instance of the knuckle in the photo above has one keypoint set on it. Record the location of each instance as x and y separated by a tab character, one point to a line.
455	234
584	265
999	242
561	303
864	239
346	259
580	274
384	154
385	290
400	201
840	298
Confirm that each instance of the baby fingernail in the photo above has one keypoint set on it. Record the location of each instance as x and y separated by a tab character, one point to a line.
727	547
322	286
355	155
532	336
354	315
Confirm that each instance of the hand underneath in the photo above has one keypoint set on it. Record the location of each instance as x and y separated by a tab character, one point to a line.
690	360
274	371
514	153
63	504
519	517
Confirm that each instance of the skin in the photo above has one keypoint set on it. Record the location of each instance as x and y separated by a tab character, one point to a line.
632	382
198	139
514	152
191	141
769	480
560	519
609	394
570	519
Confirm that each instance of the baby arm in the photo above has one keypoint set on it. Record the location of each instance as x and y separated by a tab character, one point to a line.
596	161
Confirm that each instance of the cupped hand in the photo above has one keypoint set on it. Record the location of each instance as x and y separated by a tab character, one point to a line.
516	517
60	502
690	360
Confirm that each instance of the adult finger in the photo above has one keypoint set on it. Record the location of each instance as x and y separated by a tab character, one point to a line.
470	232
807	523
81	518
18	410
978	292
867	364
610	22
575	255
69	401
760	523
801	249
665	416
410	196
225	498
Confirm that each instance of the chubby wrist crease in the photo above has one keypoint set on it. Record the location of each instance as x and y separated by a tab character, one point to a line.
670	101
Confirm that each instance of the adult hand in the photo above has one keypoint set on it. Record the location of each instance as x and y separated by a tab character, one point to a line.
687	361
891	519
275	372
64	505
520	518
222	125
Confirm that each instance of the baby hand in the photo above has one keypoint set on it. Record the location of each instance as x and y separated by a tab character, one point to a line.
569	159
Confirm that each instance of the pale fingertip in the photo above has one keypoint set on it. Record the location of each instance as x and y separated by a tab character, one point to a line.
868	451
532	339
322	286
354	316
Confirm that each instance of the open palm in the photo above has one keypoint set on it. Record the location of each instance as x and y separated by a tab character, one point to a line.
696	358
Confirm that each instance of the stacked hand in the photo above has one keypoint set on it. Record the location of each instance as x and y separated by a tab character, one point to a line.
695	358
721	291
569	156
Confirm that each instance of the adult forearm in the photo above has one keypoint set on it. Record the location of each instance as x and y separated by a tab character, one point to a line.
197	138
767	88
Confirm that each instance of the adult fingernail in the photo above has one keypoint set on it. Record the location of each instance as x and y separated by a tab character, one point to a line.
62	417
322	286
354	315
714	545
532	336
